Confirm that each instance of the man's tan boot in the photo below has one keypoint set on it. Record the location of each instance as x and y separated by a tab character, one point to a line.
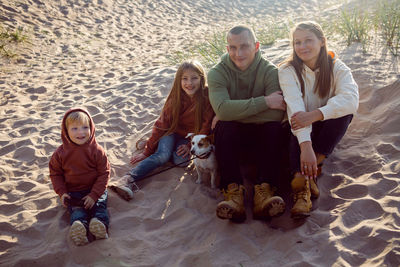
233	206
265	203
302	196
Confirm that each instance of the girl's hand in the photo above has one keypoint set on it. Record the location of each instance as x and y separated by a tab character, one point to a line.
64	198
303	119
137	158
308	160
88	202
183	150
214	122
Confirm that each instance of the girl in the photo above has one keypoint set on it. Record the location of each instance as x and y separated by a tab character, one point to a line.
321	97
186	110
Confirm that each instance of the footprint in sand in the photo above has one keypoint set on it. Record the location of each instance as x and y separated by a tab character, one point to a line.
360	244
25	186
361	210
383	188
353	191
26	153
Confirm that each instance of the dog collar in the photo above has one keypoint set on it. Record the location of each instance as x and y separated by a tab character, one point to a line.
208	154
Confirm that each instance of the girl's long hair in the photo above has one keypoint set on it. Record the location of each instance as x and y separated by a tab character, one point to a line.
324	61
174	99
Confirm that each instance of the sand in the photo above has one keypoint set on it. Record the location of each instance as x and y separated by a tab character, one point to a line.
111	57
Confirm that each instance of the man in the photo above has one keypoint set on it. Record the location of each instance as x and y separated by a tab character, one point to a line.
245	95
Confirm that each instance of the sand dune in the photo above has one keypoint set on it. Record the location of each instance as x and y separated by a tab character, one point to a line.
111	57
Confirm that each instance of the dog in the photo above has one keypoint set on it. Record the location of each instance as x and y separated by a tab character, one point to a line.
205	161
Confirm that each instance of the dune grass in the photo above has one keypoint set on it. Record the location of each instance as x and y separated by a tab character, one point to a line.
207	52
362	23
387	19
9	39
270	30
354	25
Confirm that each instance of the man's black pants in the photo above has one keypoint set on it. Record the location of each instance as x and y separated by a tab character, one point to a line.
263	141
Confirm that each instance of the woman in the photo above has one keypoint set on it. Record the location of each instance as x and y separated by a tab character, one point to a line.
321	97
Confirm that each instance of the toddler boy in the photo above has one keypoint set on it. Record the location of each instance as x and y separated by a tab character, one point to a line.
79	172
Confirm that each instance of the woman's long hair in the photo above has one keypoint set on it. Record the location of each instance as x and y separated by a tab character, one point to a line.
174	99
324	61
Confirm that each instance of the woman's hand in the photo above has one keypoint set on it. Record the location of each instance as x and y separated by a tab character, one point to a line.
64	198
88	202
275	101
137	158
183	150
214	122
303	119
308	160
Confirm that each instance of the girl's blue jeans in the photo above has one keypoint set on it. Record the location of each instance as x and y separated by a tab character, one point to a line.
79	213
166	150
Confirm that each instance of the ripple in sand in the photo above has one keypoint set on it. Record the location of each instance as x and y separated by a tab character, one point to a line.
393	257
48	213
388	150
7	242
352	258
7	149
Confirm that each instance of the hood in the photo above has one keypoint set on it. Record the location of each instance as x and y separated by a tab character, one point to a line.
229	63
332	55
64	133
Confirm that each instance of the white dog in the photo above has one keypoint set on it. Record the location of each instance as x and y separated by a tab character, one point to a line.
205	161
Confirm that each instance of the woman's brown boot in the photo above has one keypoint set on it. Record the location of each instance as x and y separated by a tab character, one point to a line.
302	197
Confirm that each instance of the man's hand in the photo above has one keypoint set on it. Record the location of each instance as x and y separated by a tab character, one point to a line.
275	101
214	122
64	198
88	202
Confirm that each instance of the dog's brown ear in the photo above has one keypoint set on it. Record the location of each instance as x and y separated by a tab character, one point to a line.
211	138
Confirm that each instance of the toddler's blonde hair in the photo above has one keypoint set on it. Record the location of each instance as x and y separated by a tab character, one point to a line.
77	116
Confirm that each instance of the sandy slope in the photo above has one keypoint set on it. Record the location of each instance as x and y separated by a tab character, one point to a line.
110	57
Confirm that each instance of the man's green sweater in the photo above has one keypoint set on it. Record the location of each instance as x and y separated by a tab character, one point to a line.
237	95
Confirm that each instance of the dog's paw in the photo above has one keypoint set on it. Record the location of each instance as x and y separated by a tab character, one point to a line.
198	181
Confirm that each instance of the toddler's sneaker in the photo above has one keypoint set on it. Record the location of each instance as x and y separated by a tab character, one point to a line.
77	232
98	229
